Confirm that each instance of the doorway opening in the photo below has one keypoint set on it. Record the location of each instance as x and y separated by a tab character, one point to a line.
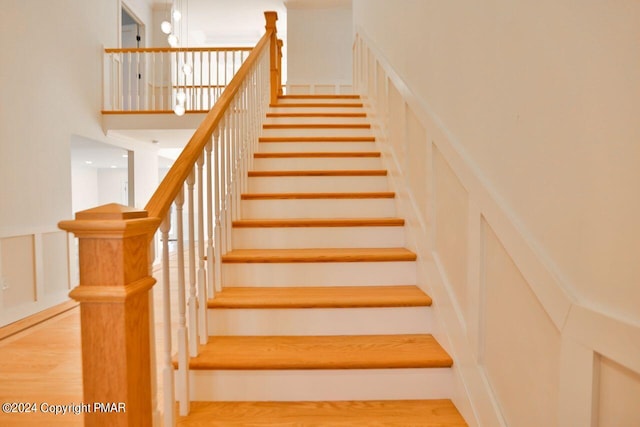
133	68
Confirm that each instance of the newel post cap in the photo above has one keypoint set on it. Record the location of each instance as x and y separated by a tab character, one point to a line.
111	220
271	17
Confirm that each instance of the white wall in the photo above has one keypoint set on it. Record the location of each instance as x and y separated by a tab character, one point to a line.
319	35
84	187
51	74
526	212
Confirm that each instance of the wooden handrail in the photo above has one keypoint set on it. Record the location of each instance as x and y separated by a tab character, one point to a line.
176	49
115	280
165	194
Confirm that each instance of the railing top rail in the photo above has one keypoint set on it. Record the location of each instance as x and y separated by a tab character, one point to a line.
177	49
165	194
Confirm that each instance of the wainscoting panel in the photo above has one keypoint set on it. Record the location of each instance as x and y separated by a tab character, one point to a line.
18	270
618	392
451	232
522	346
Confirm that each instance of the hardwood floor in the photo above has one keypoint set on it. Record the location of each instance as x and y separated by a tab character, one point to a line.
42	366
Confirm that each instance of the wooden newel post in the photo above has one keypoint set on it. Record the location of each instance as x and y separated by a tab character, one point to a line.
114	304
271	18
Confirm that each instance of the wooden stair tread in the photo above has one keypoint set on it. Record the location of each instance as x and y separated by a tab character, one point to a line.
319	96
321	352
400	413
350	195
321	297
267	139
316	126
318	104
318	255
355	172
274	115
302	154
319	222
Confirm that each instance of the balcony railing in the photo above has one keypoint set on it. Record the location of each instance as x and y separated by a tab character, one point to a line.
151	79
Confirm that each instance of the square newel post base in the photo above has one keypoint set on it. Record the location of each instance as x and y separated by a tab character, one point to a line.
114	305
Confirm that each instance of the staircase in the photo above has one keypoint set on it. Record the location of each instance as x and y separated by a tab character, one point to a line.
320	321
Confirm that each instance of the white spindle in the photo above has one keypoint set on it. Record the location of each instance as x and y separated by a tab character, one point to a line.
236	159
193	300
201	87
227	180
211	278
138	81
202	279
217	185
182	336
223	183
167	366
162	83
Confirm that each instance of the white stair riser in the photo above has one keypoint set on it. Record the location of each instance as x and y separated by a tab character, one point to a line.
320	321
316	120
317	184
317	208
324	110
315	385
318	163
317	237
333	132
311	147
297	100
320	274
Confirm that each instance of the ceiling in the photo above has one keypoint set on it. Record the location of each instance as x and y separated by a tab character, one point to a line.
227	22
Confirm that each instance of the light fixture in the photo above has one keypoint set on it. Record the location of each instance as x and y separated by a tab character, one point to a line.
166	27
172	26
88	162
179	109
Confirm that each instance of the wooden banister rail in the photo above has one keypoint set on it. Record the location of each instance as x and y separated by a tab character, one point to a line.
177	49
115	255
161	200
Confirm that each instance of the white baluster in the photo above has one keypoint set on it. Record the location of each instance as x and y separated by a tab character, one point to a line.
223	184
167	368
202	279
228	155
193	299
201	91
138	81
161	81
211	277
183	350
234	166
217	187
217	77
157	410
